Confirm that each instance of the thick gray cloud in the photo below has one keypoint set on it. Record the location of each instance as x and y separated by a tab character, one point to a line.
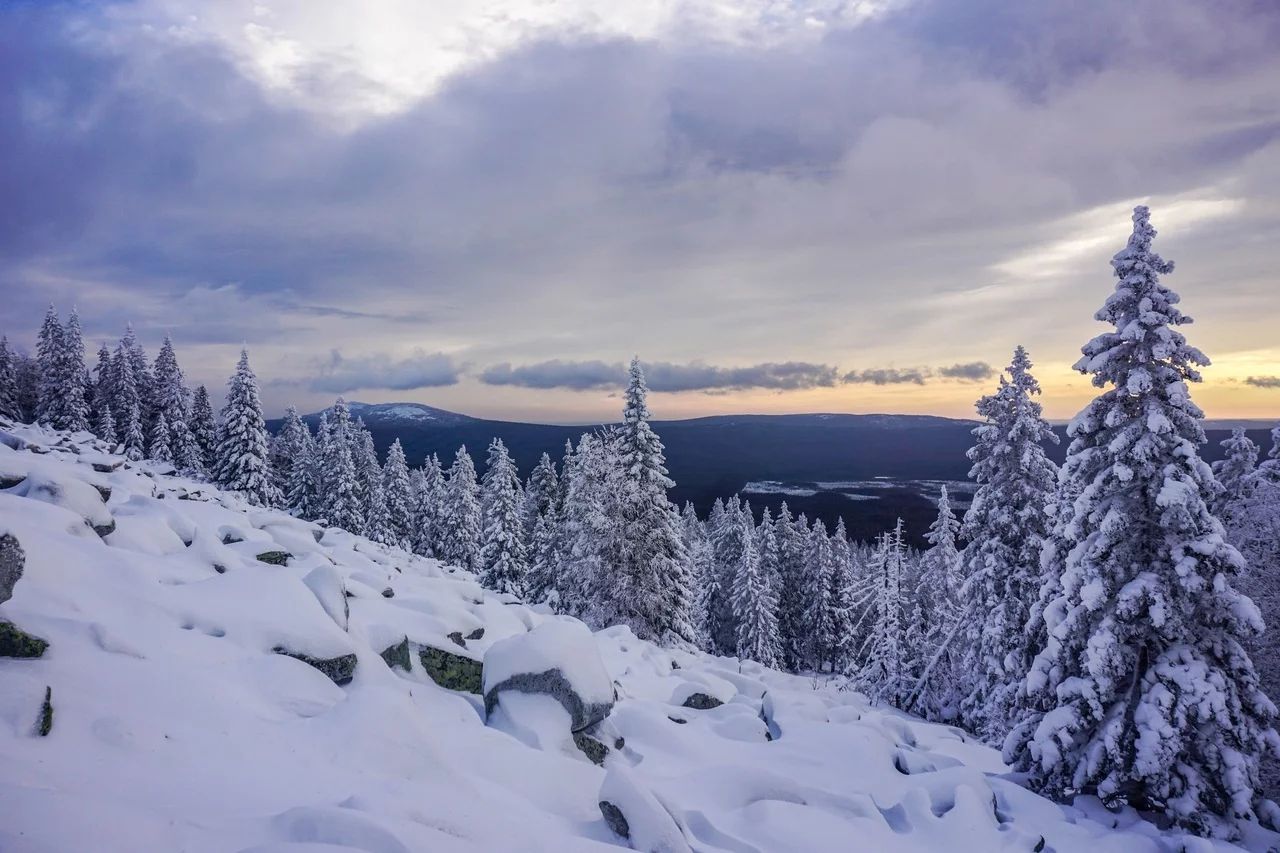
872	195
663	376
973	371
1263	381
421	370
887	376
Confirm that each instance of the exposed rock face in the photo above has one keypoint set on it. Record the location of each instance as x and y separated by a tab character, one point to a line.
453	672
476	634
614	817
558	659
702	702
274	558
16	643
340	670
46	713
398	655
455	637
632	811
12	560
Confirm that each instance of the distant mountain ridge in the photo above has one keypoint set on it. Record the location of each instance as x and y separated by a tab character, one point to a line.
719	455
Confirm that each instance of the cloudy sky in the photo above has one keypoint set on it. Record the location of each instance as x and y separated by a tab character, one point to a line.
490	205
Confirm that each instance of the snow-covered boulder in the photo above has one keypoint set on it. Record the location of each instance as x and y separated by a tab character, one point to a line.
325	582
634	812
559	659
70	493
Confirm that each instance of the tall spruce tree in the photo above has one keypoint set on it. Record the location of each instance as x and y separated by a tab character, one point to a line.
242	464
104	421
934	613
879	666
1006	526
459	518
651	590
426	509
755	603
503	556
9	407
1148	697
1235	468
171	402
340	503
203	427
49	358
73	405
399	495
129	406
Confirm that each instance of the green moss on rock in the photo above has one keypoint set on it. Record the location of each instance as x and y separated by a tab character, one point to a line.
451	671
16	643
274	558
398	655
340	670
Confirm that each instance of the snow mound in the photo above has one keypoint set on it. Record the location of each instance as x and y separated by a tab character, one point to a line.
177	725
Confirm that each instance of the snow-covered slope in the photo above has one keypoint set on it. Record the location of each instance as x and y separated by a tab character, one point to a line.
177	727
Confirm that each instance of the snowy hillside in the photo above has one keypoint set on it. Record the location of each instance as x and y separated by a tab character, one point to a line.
184	717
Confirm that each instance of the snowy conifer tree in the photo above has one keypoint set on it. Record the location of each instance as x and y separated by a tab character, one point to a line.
203	428
159	441
74	405
650	587
934	613
702	570
8	384
542	579
143	380
49	357
1148	697
426	509
170	401
878	668
399	495
792	537
290	450
754	601
1234	470
591	540
242	464
541	494
369	486
459	520
503	557
1005	526
724	528
340	505
104	392
129	415
302	496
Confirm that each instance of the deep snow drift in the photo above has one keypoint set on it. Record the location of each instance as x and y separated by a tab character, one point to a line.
177	725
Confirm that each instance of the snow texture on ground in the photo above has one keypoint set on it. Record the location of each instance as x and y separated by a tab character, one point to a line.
177	726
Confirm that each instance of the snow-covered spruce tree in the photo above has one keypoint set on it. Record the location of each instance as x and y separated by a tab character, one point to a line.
702	569
1005	526
302	496
369	485
503	556
542	579
459	516
203	427
840	598
754	602
128	413
591	545
398	494
170	401
8	384
159	439
793	537
49	357
541	494
340	506
934	612
725	529
1150	699
878	668
242	464
104	391
820	618
74	405
1234	469
143	380
649	588
427	500
286	450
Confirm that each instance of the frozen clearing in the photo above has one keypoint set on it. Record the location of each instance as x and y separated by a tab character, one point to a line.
177	726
